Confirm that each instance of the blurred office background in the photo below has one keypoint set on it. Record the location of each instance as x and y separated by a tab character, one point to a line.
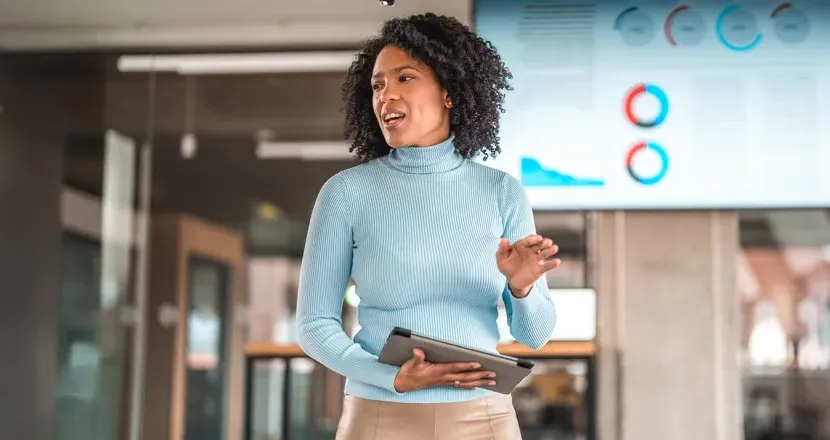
159	162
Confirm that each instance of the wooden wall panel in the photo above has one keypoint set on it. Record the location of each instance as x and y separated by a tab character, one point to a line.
175	240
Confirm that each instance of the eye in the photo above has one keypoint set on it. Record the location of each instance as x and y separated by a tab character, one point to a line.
405	78
376	86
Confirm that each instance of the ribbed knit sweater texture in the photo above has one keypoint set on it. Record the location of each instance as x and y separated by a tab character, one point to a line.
417	230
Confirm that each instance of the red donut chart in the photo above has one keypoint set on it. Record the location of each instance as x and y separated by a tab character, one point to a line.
641	147
645	89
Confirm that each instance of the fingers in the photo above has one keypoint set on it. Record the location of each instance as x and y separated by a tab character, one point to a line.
536	243
457	367
469	380
550	264
530	240
457	374
469	377
504	246
418	356
473	384
548	252
542	245
417	359
534	240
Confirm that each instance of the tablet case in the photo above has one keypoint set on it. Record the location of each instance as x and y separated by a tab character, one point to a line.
509	371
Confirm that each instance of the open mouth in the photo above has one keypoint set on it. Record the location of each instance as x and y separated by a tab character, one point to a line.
393	119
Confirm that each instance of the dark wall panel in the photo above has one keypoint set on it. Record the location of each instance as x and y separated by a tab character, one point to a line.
31	169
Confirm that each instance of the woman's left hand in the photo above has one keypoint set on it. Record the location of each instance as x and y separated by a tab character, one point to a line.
525	261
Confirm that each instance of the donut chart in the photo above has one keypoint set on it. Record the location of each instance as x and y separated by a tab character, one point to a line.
640	90
791	24
641	147
737	29
635	27
684	26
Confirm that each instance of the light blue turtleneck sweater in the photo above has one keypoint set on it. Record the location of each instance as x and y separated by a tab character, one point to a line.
417	231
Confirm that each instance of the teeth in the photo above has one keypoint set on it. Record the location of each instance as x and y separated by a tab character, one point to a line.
392	115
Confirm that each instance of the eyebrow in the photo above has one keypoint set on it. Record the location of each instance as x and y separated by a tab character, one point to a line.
396	70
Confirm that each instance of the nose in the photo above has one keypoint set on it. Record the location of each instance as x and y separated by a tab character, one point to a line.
389	93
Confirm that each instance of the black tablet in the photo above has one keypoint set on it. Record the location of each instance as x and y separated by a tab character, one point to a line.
509	371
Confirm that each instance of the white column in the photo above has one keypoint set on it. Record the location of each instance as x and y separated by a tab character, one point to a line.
668	326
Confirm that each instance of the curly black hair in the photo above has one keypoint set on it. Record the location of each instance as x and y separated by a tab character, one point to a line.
467	66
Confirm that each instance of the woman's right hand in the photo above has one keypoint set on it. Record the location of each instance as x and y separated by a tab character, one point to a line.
417	373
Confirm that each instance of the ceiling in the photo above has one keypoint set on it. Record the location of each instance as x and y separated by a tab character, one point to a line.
41	24
108	13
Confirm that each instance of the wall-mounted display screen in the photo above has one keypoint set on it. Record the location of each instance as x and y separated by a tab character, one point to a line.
665	105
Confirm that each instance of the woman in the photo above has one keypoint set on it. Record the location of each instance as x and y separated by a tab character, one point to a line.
432	239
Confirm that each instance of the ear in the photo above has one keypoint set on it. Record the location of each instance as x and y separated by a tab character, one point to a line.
447	100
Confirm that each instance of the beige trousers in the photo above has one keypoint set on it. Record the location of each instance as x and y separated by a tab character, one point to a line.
487	418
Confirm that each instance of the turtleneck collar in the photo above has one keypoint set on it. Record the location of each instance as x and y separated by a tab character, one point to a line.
437	158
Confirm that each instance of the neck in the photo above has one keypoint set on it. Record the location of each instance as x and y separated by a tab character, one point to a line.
437	158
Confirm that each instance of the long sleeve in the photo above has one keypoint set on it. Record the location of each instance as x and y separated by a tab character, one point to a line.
324	277
532	318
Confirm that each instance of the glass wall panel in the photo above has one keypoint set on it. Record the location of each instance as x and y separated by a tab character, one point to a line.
784	287
79	358
232	149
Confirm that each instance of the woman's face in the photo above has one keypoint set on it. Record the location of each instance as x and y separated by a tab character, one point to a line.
410	105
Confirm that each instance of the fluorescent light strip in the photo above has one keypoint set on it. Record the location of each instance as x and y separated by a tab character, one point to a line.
334	150
213	64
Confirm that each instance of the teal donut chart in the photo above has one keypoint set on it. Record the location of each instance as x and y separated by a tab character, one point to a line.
721	31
